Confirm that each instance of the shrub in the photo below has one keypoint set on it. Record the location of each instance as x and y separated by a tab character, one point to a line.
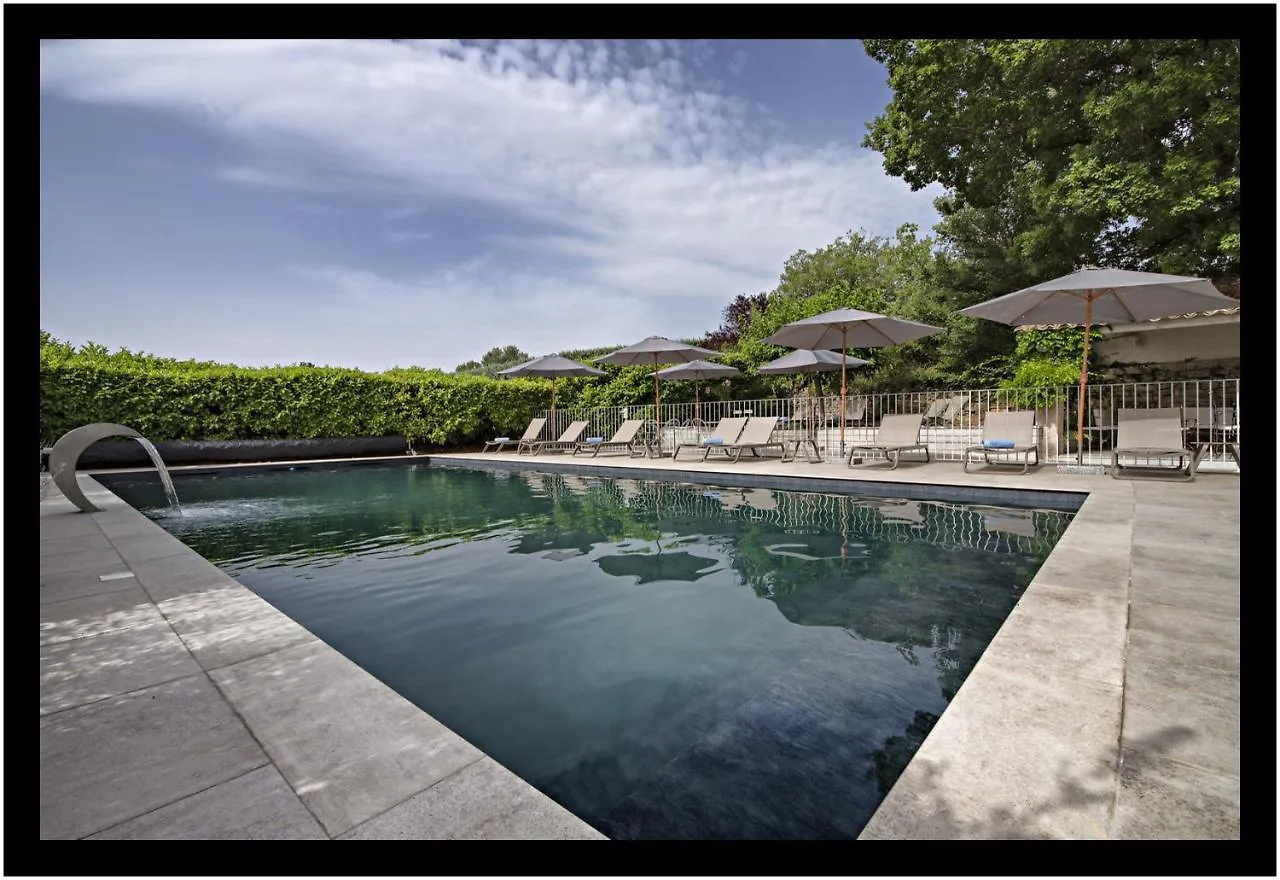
169	400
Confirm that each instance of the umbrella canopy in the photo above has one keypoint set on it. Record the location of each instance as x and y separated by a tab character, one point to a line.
552	367
848	328
1101	296
700	371
1113	296
805	360
655	350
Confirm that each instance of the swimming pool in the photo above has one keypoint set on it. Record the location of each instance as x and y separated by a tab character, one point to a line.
666	660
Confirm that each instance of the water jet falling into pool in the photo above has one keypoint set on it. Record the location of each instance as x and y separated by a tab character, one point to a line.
170	492
66	452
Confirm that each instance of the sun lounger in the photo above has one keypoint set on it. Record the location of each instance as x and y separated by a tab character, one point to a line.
936	407
757	435
531	433
568	440
953	410
623	440
726	431
1006	433
1158	434
897	434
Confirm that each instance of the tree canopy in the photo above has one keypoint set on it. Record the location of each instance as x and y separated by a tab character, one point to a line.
1057	153
495	359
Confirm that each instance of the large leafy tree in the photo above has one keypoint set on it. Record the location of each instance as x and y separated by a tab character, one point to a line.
906	275
1057	153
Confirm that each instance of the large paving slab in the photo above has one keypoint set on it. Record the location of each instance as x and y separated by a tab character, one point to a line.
97	614
1024	754
349	745
110	761
1162	799
226	625
484	801
259	805
79	671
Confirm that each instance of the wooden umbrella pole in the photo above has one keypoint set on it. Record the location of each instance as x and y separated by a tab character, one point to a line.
843	339
697	404
1084	379
555	430
657	404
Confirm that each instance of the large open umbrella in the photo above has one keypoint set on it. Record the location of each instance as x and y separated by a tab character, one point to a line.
656	350
1091	296
809	361
552	367
848	328
699	371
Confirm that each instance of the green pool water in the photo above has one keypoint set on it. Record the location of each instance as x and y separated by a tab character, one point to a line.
665	660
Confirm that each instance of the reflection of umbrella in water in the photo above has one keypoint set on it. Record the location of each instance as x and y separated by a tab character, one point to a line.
650	567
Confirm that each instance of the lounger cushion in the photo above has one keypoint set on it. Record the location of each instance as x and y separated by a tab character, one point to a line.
998	444
595	439
500	439
713	441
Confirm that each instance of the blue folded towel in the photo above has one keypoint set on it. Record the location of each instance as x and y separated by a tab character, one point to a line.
500	439
595	439
998	444
713	441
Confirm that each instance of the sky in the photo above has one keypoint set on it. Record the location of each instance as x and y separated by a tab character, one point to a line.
389	203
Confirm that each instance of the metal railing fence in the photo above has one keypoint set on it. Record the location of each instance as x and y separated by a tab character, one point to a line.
952	419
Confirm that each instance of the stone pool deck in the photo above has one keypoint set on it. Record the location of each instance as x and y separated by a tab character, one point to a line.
176	703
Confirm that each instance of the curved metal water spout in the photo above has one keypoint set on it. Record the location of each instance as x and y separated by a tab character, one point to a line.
66	452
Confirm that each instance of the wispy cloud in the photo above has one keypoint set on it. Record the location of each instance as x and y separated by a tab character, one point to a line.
645	180
260	177
399	237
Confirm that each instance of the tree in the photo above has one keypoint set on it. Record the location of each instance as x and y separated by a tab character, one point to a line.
907	276
1057	153
737	316
495	359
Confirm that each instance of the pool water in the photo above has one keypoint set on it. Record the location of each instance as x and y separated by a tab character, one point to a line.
665	660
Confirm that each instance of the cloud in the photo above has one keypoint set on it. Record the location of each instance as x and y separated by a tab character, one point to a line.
638	177
452	314
260	177
400	237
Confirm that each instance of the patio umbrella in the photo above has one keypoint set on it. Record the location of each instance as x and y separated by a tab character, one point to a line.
1091	296
552	367
699	371
655	350
846	328
804	360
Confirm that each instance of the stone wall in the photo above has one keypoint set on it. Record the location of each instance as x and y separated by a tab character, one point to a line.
1182	371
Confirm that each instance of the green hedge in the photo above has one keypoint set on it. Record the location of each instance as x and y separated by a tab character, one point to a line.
166	402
